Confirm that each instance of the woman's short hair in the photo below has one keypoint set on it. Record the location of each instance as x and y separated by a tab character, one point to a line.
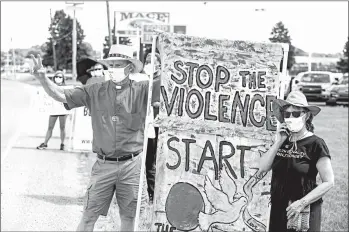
309	124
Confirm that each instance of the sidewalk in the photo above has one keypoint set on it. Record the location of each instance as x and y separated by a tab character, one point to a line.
43	190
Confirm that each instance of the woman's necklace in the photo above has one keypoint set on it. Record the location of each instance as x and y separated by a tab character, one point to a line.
294	140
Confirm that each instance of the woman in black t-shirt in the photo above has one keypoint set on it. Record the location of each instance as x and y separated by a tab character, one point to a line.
296	157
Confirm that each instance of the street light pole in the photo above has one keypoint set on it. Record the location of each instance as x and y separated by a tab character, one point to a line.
109	29
7	64
53	44
13	60
309	61
74	7
74	47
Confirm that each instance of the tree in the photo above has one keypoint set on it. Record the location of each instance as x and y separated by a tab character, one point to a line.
342	64
34	50
122	40
61	29
19	57
280	34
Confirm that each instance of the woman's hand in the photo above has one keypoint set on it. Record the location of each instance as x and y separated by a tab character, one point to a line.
295	208
38	69
282	133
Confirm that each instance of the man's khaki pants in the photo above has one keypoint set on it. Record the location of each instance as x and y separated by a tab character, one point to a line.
122	178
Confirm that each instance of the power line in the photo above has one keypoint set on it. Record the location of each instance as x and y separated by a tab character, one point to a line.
55	39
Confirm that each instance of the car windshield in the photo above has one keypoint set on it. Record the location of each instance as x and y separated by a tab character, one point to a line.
344	81
316	77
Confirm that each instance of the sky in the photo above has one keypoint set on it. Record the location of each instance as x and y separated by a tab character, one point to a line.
313	26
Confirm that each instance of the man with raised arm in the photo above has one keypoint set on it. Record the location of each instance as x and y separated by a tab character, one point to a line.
118	109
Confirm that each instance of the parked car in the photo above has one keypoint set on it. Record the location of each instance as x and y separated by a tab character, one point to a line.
315	84
339	93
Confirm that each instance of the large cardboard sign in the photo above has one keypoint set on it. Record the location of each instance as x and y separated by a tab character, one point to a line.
82	131
215	123
47	105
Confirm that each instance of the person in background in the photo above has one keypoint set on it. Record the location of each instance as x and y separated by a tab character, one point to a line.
90	71
118	110
152	142
296	157
59	80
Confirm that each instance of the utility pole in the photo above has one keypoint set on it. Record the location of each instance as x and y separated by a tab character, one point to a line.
309	61
7	69
53	44
114	25
74	47
109	29
74	7
13	60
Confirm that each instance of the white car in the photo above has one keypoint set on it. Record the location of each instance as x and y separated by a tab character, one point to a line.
315	84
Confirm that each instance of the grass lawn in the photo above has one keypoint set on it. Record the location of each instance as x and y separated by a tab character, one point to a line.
332	125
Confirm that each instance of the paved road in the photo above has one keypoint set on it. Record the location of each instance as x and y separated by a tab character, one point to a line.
15	105
40	190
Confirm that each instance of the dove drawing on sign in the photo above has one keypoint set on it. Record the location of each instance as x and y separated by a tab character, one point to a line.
227	184
227	211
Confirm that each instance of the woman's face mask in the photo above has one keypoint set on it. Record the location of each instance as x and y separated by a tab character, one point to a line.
147	67
97	73
148	70
295	124
58	80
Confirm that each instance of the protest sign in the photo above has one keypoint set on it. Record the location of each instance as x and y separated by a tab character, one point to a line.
215	123
47	105
82	130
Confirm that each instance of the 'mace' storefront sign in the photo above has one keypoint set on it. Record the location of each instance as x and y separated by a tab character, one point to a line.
128	20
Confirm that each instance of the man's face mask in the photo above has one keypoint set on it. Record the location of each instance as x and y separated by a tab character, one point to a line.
118	71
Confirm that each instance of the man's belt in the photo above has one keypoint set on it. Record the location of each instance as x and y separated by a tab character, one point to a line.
122	158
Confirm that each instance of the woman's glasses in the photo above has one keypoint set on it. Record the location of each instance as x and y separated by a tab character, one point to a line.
58	77
295	114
